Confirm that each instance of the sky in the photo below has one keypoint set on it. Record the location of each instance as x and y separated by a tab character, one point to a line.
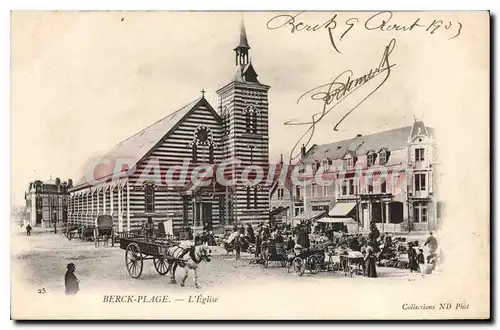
83	81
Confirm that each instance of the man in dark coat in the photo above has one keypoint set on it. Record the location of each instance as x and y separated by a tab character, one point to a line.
373	237
420	257
303	238
250	233
412	258
432	242
258	242
354	244
71	283
290	243
28	230
148	227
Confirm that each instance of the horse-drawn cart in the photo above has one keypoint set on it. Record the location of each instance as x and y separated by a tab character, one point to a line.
274	252
312	260
104	230
72	232
139	248
87	233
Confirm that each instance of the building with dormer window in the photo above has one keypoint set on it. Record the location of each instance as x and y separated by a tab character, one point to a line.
389	178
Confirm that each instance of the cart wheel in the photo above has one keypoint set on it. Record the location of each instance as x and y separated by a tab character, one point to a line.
133	260
283	263
68	235
314	265
265	260
299	266
161	265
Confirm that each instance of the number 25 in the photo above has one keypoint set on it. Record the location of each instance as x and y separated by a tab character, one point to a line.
42	291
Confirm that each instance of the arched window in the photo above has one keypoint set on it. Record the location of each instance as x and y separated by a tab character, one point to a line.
211	153
251	118
254	122
195	152
149	197
248	196
225	121
248	122
255	194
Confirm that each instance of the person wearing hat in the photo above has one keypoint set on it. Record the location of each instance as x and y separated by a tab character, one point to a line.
412	258
420	257
148	227
71	283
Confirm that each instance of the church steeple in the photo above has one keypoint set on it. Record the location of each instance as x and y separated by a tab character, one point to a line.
242	49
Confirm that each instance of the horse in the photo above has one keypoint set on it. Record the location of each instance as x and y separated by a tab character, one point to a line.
187	258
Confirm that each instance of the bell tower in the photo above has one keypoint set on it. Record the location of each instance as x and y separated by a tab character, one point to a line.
244	108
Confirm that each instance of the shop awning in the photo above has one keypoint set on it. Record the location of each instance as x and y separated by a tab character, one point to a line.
341	209
309	215
338	220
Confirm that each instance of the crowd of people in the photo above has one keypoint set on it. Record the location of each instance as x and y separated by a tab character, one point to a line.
374	246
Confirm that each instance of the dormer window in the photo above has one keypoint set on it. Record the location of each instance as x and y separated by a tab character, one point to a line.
326	164
350	160
371	158
383	157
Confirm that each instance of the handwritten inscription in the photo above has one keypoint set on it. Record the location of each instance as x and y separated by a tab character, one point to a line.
333	93
385	21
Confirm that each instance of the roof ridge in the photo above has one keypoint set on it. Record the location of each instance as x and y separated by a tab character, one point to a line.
156	122
363	136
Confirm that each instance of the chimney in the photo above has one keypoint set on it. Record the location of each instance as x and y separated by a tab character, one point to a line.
281	159
303	150
359	135
70	183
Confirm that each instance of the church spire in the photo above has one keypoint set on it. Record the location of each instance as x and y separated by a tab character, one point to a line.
243	36
241	50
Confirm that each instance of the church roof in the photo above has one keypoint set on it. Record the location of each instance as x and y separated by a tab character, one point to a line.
136	147
246	73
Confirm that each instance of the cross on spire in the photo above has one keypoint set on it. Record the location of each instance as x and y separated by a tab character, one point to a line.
203	93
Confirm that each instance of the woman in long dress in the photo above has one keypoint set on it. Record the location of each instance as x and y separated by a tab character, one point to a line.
370	263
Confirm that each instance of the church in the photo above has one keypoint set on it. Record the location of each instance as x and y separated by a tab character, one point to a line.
201	134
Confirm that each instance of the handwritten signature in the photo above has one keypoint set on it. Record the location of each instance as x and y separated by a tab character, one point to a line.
333	93
381	21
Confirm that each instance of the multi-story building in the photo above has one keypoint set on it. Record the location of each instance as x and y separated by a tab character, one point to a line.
388	178
47	202
197	135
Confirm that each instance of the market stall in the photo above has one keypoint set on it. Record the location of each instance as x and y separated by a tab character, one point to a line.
351	225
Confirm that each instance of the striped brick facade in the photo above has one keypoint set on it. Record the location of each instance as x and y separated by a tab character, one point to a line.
238	130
